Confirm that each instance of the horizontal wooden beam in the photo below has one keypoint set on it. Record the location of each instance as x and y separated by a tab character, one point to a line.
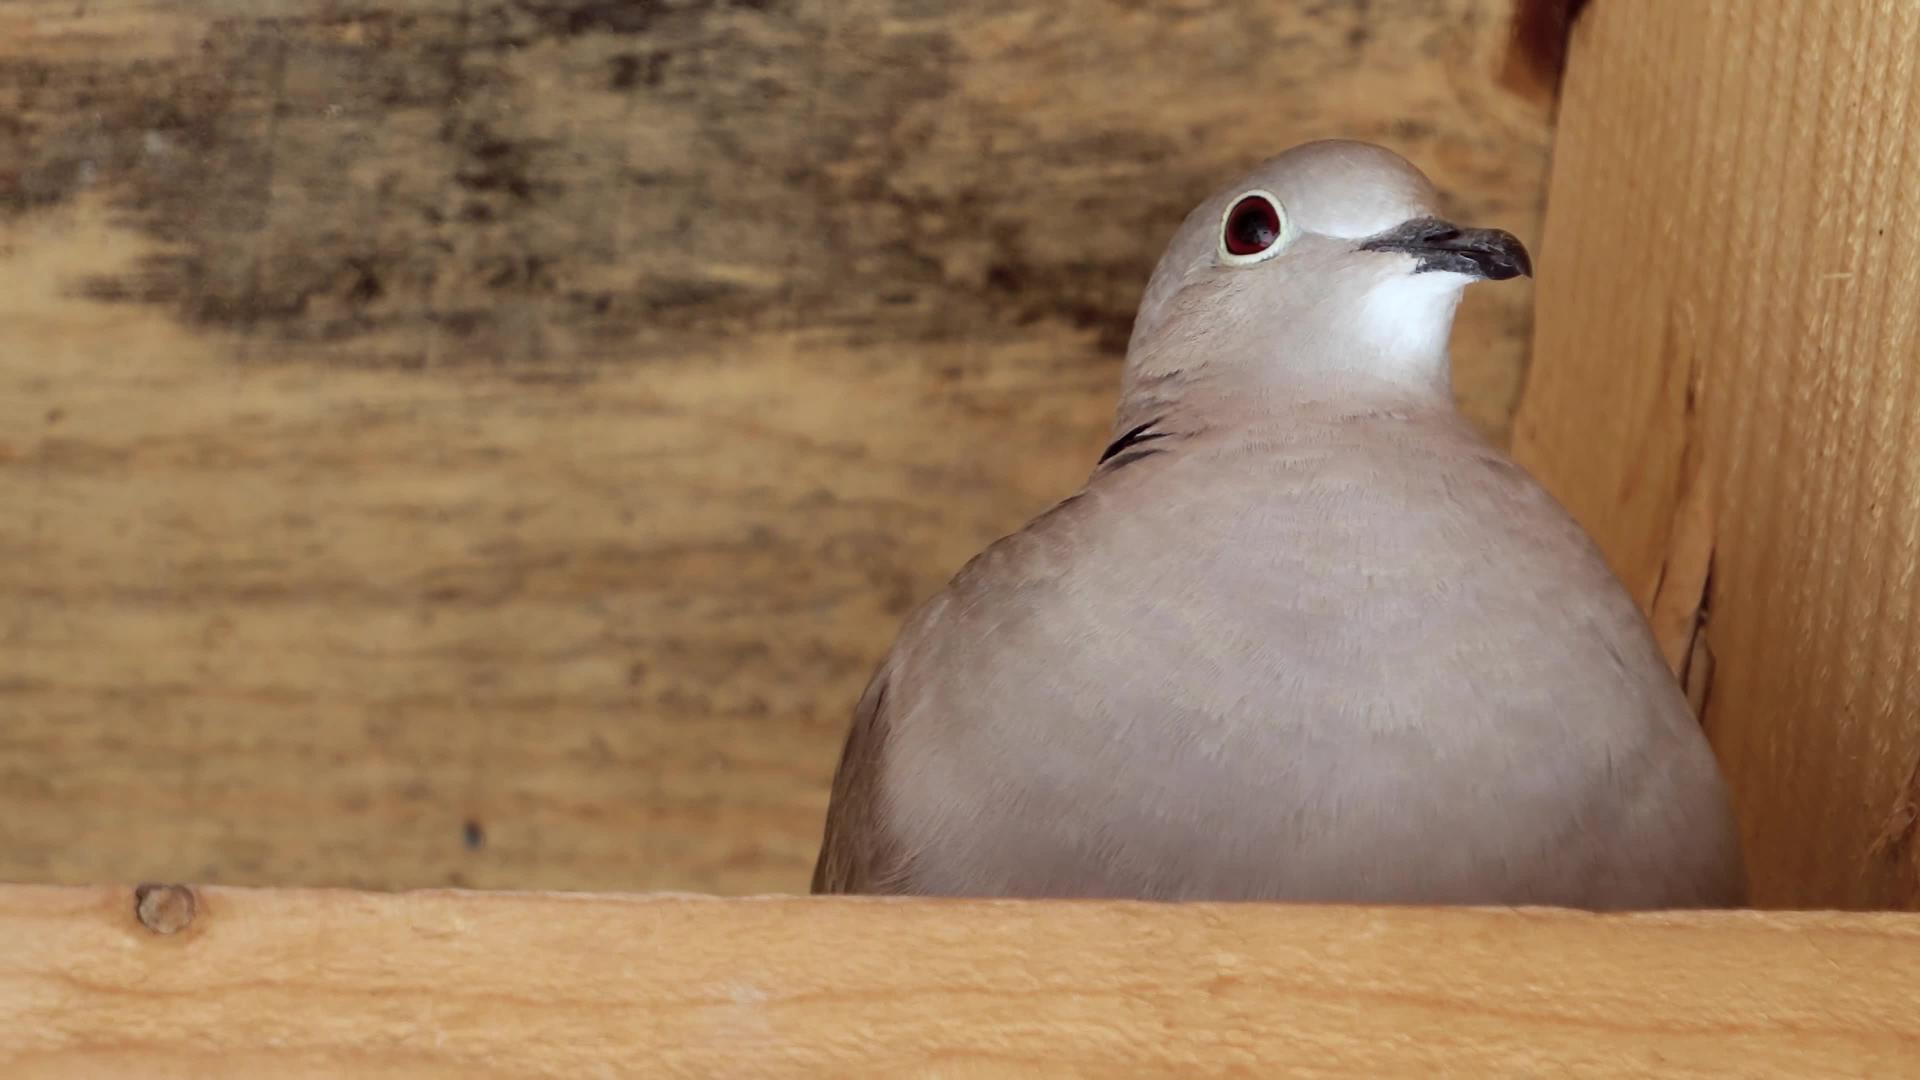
235	982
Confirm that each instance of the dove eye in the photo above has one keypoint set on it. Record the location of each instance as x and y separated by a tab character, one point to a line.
1252	229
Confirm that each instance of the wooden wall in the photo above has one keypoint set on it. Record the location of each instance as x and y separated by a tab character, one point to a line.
1725	386
490	441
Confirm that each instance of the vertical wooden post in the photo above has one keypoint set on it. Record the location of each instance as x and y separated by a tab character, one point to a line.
1725	387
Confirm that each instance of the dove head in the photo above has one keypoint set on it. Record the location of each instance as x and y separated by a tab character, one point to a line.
1327	265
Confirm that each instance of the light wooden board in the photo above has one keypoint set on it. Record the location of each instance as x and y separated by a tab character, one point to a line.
492	441
1726	381
291	983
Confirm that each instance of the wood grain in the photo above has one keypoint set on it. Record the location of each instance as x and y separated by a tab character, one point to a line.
492	441
291	983
1724	391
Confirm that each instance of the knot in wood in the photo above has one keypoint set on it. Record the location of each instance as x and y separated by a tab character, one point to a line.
164	909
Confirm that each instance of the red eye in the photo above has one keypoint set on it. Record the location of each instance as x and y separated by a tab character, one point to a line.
1252	226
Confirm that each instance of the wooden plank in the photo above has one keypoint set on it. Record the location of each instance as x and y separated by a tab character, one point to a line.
1725	381
491	441
288	983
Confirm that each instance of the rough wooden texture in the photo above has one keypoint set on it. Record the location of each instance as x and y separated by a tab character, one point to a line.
291	983
1726	378
491	441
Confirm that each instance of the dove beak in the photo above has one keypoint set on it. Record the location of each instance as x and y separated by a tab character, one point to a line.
1494	254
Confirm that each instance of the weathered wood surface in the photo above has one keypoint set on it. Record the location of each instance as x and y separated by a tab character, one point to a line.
1724	391
490	441
288	983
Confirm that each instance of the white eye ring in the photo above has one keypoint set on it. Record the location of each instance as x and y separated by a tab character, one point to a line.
1253	228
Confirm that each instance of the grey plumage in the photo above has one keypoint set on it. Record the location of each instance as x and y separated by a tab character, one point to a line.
1303	635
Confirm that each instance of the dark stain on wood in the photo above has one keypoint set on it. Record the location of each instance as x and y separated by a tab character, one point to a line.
780	208
287	167
1538	51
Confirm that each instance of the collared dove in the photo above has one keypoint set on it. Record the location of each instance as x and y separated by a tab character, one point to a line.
1303	635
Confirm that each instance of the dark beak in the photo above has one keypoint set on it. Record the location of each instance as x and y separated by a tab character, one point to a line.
1438	245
